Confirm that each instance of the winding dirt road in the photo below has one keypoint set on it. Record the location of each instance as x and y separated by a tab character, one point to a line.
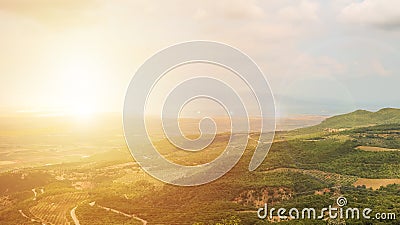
144	222
73	215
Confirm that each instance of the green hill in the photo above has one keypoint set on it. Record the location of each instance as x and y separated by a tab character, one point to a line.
358	118
361	118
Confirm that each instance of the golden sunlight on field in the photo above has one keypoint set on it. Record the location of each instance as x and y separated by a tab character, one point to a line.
375	183
376	149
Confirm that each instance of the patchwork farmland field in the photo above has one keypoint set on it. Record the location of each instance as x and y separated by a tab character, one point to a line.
55	209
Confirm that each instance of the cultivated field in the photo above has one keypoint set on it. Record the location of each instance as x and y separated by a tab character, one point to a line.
375	183
55	208
376	149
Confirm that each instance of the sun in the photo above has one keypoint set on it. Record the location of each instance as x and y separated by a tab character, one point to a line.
81	89
82	110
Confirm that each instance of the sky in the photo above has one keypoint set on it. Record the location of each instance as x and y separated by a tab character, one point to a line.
320	57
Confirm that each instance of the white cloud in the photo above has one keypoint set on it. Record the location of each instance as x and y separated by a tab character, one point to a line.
378	68
237	9
384	14
60	13
306	11
307	65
